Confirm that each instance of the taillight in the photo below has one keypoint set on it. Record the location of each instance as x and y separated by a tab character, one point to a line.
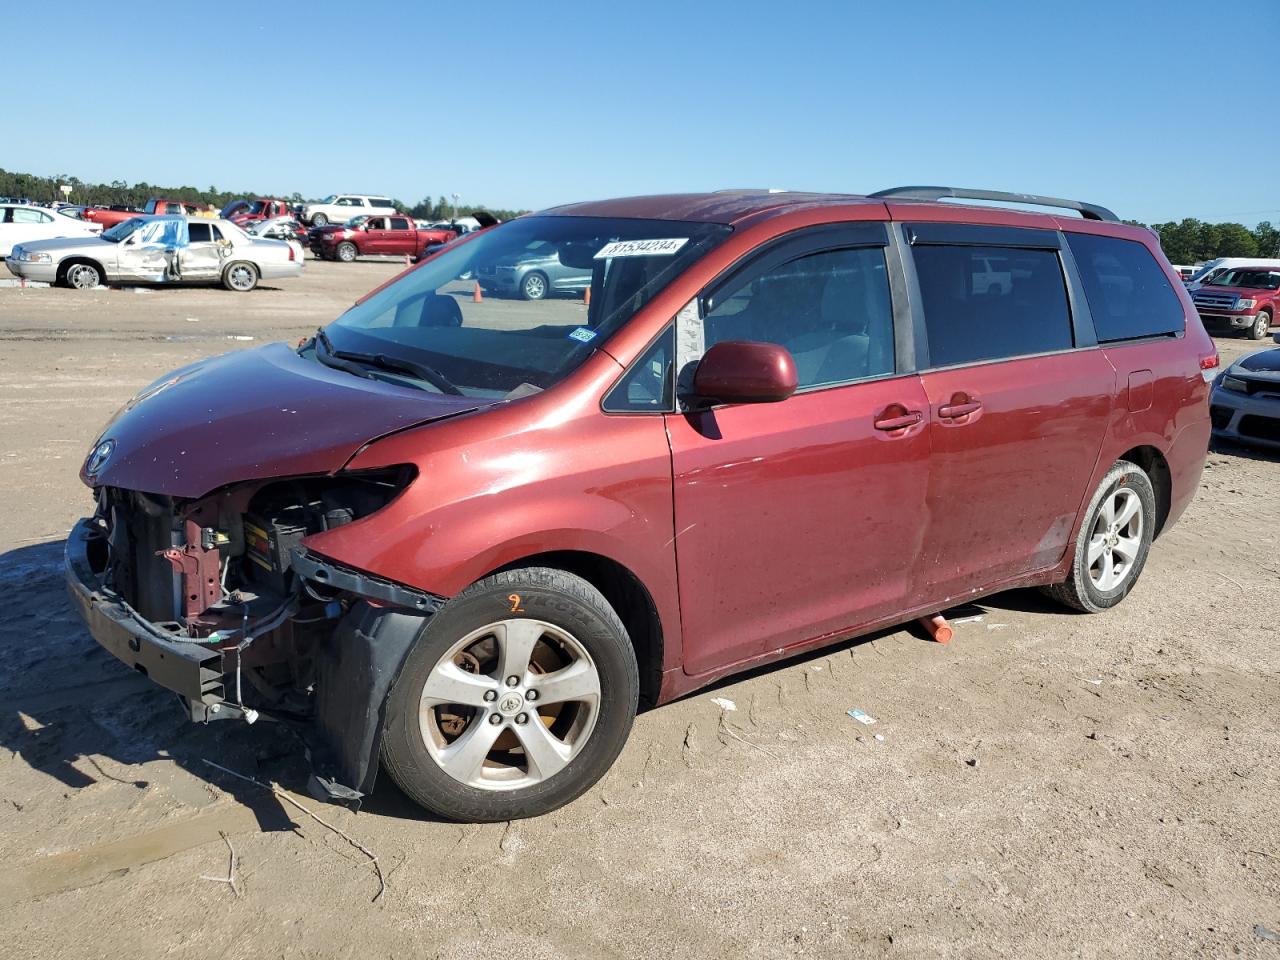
1209	363
292	257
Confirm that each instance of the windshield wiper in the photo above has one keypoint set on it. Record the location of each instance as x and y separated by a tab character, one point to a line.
382	361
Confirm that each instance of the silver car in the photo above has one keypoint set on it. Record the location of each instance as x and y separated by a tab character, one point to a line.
1245	402
533	273
169	249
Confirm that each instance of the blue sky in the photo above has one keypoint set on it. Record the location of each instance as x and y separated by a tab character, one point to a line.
530	104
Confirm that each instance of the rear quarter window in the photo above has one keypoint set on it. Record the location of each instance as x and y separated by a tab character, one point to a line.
1129	295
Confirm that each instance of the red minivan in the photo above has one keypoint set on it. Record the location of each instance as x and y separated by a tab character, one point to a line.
464	539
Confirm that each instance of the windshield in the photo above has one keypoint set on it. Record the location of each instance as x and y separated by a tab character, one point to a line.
532	323
1257	279
356	221
329	199
123	229
232	208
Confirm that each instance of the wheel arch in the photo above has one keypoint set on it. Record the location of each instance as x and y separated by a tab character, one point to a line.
1156	467
628	596
68	262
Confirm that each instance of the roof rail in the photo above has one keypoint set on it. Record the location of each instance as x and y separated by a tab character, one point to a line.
1090	211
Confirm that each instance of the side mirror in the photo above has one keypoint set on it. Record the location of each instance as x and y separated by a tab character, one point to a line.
743	371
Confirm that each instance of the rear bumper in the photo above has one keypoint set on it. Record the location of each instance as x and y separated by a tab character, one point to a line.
191	670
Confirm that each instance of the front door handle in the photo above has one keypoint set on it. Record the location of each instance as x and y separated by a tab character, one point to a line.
898	422
954	411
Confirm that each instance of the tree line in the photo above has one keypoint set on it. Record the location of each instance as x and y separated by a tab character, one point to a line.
1188	241
32	187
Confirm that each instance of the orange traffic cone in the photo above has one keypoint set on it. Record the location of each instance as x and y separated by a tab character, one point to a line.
476	295
586	296
938	628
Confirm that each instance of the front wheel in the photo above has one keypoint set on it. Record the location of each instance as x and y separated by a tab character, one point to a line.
319	220
516	698
83	276
241	277
347	251
1260	325
534	286
1113	543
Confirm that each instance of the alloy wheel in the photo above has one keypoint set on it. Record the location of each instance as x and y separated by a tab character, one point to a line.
81	276
509	705
1115	541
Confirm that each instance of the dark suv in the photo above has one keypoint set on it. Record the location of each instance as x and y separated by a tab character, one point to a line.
468	537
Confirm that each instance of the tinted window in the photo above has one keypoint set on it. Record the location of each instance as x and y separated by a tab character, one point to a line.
1129	295
380	202
830	310
984	303
647	387
399	223
199	232
215	232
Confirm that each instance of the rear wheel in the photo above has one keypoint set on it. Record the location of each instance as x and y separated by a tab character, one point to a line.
516	698
319	220
1113	543
83	276
240	276
1261	325
347	251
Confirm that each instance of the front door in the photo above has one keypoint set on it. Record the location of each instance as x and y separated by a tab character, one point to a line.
375	239
800	519
1019	398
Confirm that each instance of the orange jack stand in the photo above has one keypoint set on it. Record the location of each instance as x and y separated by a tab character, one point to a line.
586	296
476	295
938	628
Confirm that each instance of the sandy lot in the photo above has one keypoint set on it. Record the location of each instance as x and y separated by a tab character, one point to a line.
1047	785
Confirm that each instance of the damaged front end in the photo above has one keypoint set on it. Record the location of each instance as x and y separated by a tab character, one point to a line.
219	600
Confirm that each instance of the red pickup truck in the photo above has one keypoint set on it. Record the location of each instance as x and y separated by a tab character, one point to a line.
1243	298
110	216
398	236
246	211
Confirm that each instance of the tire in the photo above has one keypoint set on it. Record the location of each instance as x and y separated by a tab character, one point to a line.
347	252
1118	554
319	220
534	286
1261	325
240	276
573	628
82	275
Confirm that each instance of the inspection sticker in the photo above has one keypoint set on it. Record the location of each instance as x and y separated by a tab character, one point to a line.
582	334
641	248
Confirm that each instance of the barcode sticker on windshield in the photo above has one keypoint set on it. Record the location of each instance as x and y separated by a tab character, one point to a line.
582	334
641	248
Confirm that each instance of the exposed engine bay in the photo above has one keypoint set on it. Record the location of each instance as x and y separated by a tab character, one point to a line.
228	578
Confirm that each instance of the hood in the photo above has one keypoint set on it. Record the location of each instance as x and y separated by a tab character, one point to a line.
251	415
1264	361
1210	288
60	244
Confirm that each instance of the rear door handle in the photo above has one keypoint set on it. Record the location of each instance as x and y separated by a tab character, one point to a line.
953	411
901	422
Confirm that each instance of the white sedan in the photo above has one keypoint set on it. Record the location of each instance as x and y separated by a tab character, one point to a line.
169	249
20	222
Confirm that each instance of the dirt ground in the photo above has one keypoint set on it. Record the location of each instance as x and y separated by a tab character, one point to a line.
1047	785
